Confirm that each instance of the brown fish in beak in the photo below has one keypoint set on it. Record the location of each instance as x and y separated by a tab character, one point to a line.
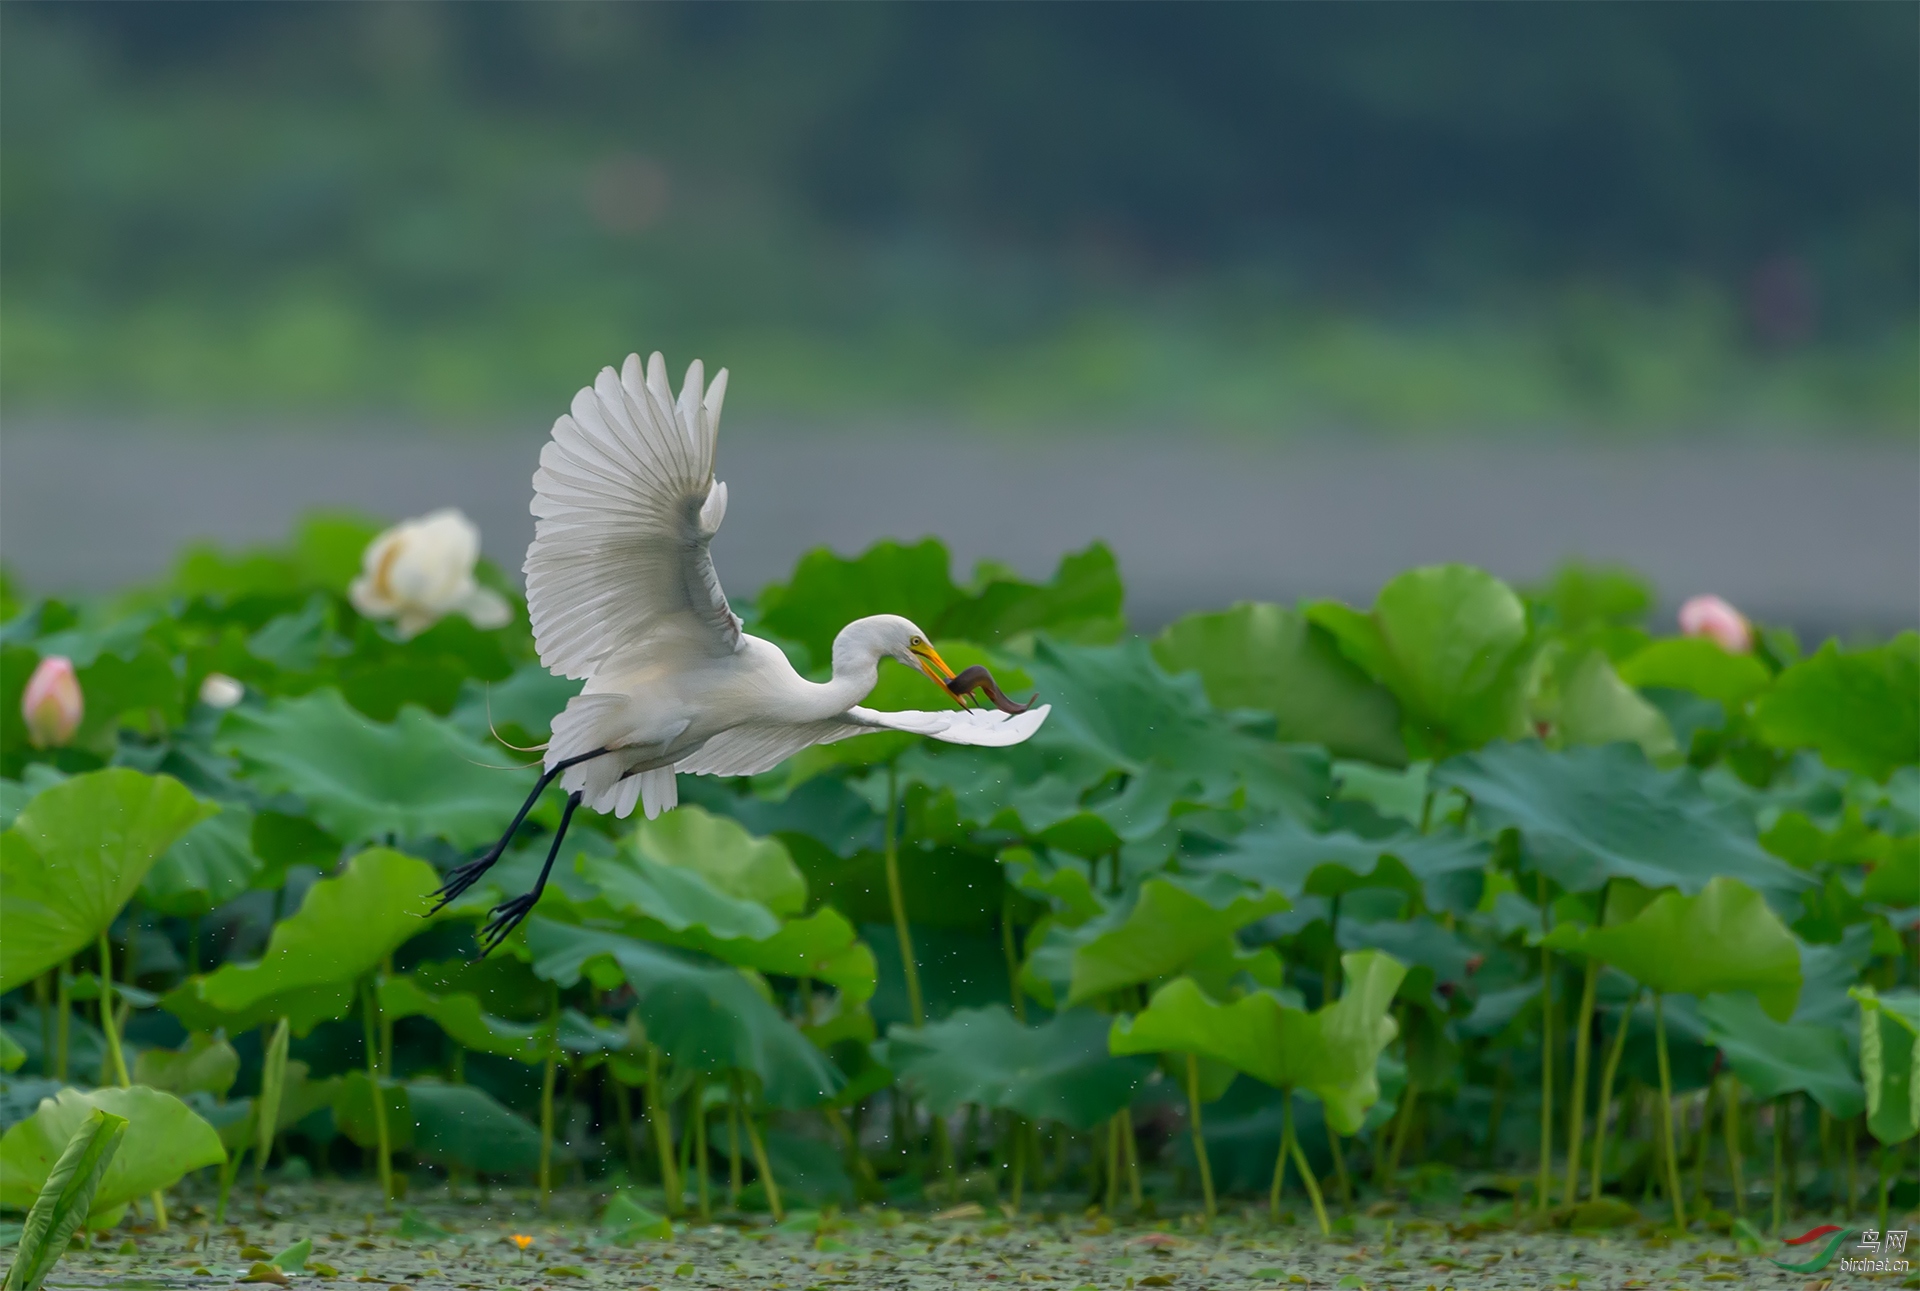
968	680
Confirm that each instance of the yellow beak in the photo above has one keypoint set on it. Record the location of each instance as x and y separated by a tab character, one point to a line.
936	669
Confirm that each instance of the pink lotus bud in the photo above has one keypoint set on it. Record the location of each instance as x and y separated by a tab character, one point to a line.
1713	618
51	703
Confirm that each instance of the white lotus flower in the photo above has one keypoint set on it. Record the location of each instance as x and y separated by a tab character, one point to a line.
421	570
217	690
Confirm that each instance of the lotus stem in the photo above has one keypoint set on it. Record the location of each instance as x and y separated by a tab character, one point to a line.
549	1074
1666	1113
1541	1200
369	1013
63	1019
117	1060
1779	1165
1577	1099
1280	1161
700	1149
1199	1138
659	1118
1402	1128
43	998
1730	1122
733	1142
897	897
1017	1128
1607	1073
1132	1149
1700	1143
1339	1151
761	1164
1306	1171
1009	947
1853	1164
1113	1163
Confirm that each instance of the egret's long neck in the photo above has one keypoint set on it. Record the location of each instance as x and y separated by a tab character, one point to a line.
856	665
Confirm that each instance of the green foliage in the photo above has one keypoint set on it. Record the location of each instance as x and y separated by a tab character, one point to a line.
1859	708
205	1064
1058	1070
1773	1058
729	858
164	1140
75	856
206	867
1698	665
461	1125
65	1199
1890	1062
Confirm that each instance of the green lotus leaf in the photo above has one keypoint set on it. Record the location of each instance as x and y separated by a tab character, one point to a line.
362	780
1441	868
205	1063
463	1125
1724	938
1597	707
1451	642
344	927
75	856
1059	1070
65	1199
164	1141
353	1111
1263	656
1331	1053
705	1017
206	867
1698	665
461	1017
1589	814
721	851
1171	920
1890	1062
1859	708
1894	879
1775	1058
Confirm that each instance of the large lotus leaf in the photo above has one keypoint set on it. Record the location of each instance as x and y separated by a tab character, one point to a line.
1258	655
1171	920
1442	867
1420	942
1451	642
827	592
1331	1053
681	908
418	777
1594	813
164	1141
344	927
1082	602
75	856
1890	1062
1774	1058
706	1017
1698	665
465	1126
461	1017
1059	1070
1894	880
354	1111
1597	707
720	850
208	866
1859	708
205	1063
1828	972
1724	938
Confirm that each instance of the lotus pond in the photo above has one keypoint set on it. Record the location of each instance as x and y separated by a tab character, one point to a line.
1481	937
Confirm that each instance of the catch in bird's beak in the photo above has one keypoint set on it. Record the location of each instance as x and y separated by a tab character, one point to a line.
934	666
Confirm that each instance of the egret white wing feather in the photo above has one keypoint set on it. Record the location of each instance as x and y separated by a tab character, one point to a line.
760	746
626	505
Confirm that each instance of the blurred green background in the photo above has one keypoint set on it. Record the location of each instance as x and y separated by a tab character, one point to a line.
1616	219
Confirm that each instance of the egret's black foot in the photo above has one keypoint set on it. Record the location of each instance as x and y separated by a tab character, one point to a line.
460	878
506	917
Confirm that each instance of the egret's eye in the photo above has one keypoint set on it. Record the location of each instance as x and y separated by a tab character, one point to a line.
916	641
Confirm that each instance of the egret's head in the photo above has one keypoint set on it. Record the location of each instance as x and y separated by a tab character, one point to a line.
893	637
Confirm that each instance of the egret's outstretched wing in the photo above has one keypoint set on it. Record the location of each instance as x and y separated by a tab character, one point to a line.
757	747
626	504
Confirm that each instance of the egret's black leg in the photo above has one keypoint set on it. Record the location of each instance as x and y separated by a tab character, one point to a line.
462	877
507	915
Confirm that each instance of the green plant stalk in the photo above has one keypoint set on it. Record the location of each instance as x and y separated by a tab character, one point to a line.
1853	1164
1730	1123
1339	1152
1605	1108
1281	1159
229	1171
549	1074
1666	1113
897	897
65	1199
765	1168
857	1163
63	1019
1017	1131
273	1080
386	1024
733	1144
1577	1100
1330	971
1199	1138
1541	1200
1010	948
369	1012
1402	1128
1132	1149
686	1140
116	1058
43	999
1700	1144
659	1118
1779	1166
700	1150
1113	1163
1306	1170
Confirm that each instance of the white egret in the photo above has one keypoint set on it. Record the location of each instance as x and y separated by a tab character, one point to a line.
623	595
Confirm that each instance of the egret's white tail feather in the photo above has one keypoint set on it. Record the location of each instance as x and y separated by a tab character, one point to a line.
589	722
659	791
624	795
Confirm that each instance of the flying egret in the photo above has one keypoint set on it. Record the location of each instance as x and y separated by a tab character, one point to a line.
623	595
